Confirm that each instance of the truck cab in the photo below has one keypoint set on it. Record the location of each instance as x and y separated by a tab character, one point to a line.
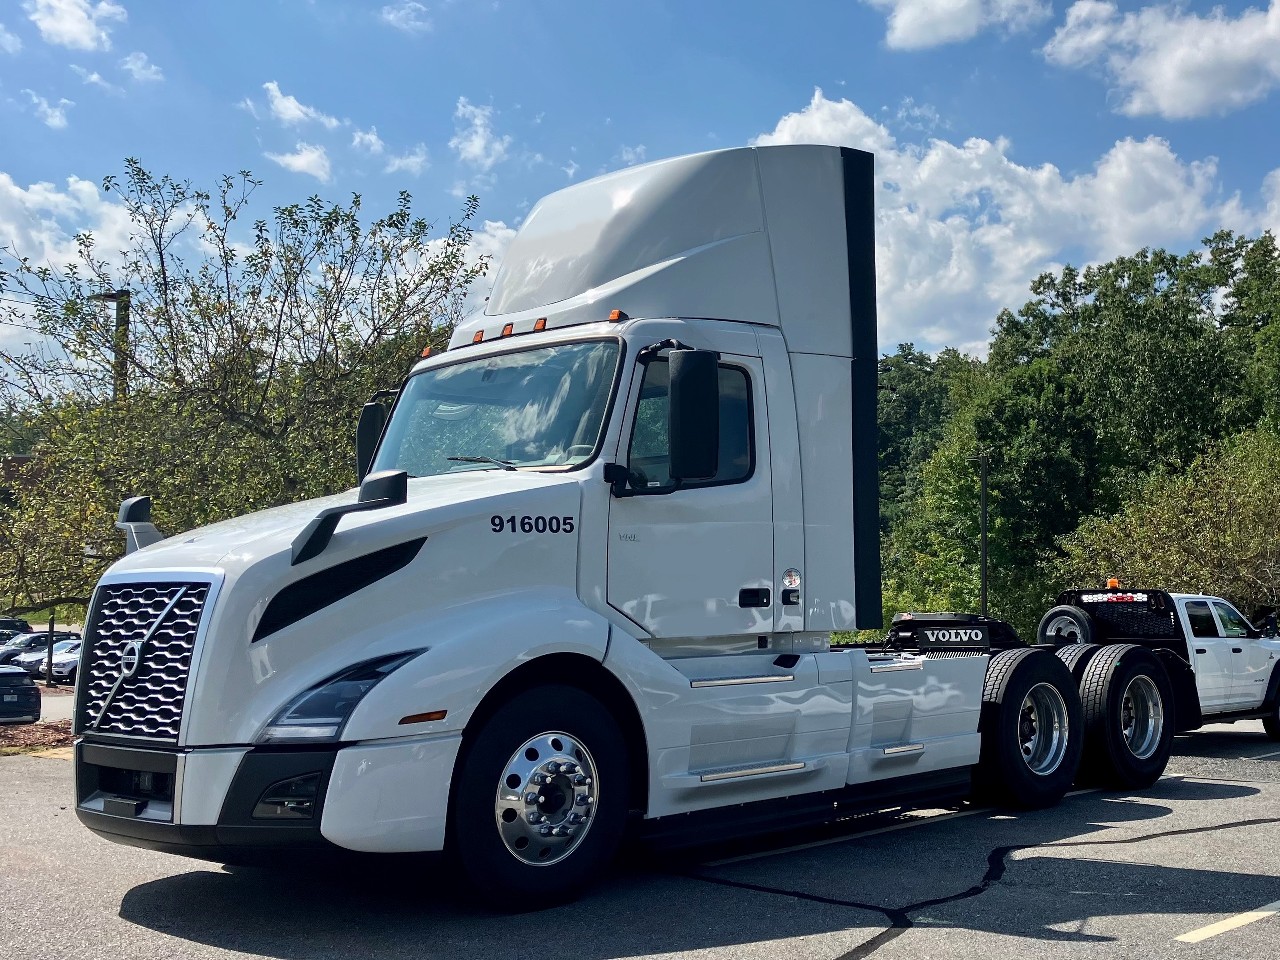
588	580
1233	661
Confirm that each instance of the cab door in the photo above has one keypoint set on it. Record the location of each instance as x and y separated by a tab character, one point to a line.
694	561
1251	660
1211	657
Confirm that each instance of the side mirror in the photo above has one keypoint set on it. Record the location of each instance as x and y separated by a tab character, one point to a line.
1269	626
373	417
693	426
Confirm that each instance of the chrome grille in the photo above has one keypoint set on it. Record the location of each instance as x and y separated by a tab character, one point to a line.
155	625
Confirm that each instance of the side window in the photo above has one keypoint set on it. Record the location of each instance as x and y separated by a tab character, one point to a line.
1233	624
1201	619
649	458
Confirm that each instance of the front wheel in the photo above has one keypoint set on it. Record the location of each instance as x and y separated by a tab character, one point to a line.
1128	717
1030	729
541	797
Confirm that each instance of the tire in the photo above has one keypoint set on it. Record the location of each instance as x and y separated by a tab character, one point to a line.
1030	730
1065	624
510	863
1271	722
1128	717
1076	656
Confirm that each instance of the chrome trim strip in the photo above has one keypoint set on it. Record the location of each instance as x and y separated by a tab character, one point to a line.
897	665
752	772
736	681
906	748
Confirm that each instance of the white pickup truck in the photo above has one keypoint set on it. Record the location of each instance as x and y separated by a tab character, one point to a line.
588	581
1220	667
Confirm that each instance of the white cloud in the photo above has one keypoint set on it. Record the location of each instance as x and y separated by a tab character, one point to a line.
1173	63
413	162
94	79
961	229
570	169
474	142
632	155
140	68
290	112
367	140
78	24
917	24
9	42
408	15
306	158
53	115
249	107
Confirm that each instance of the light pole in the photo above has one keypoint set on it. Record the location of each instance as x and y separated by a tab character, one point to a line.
119	342
981	461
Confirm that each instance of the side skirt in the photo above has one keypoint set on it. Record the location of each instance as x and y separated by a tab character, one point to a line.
811	809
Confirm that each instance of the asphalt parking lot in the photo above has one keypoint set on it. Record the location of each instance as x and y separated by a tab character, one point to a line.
1173	872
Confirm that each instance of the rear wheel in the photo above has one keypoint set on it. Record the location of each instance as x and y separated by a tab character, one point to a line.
1065	624
1076	656
541	799
1271	722
1128	717
1030	729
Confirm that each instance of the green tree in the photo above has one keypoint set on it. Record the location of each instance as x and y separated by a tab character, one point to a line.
249	352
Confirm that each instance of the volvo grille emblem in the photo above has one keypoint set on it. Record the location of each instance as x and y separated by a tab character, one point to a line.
131	659
131	656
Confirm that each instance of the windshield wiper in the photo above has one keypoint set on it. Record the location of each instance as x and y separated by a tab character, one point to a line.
504	464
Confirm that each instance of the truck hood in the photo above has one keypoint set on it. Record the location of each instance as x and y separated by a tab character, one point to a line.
233	545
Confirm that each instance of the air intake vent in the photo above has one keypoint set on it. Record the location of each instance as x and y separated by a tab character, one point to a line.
137	659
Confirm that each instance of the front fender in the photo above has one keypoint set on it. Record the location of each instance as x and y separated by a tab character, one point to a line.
469	650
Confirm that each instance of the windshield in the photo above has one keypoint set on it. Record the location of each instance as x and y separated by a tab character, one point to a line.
24	639
535	408
66	646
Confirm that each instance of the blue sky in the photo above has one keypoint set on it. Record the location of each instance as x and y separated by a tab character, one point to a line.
1011	135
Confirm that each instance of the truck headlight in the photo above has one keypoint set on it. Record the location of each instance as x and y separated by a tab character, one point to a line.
319	715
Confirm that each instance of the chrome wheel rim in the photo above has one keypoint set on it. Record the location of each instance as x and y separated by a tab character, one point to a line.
1142	716
1064	626
546	798
1042	729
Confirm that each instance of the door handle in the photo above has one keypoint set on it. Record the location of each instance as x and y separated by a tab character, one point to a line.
1201	650
753	597
1236	650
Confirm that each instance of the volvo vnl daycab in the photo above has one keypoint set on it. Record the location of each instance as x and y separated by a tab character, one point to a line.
588	582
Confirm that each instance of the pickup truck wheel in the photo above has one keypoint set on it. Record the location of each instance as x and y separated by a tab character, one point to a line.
1271	722
1065	624
1030	729
1076	656
541	799
1128	717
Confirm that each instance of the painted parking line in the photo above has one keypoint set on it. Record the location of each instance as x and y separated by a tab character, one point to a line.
1231	923
1263	756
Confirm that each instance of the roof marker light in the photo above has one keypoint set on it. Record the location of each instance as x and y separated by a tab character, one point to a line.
508	329
478	337
616	316
1113	583
426	352
539	324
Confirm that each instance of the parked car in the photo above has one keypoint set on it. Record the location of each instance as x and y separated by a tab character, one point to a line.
19	696
14	625
30	642
65	665
34	661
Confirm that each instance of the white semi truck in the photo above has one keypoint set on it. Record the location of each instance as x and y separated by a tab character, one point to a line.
589	579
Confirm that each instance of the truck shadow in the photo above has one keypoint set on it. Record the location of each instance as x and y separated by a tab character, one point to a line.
1054	875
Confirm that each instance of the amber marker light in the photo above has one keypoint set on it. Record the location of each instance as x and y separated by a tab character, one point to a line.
1113	583
424	717
426	352
478	337
508	329
539	324
617	315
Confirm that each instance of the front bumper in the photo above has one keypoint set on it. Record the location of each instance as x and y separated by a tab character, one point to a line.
196	803
386	797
